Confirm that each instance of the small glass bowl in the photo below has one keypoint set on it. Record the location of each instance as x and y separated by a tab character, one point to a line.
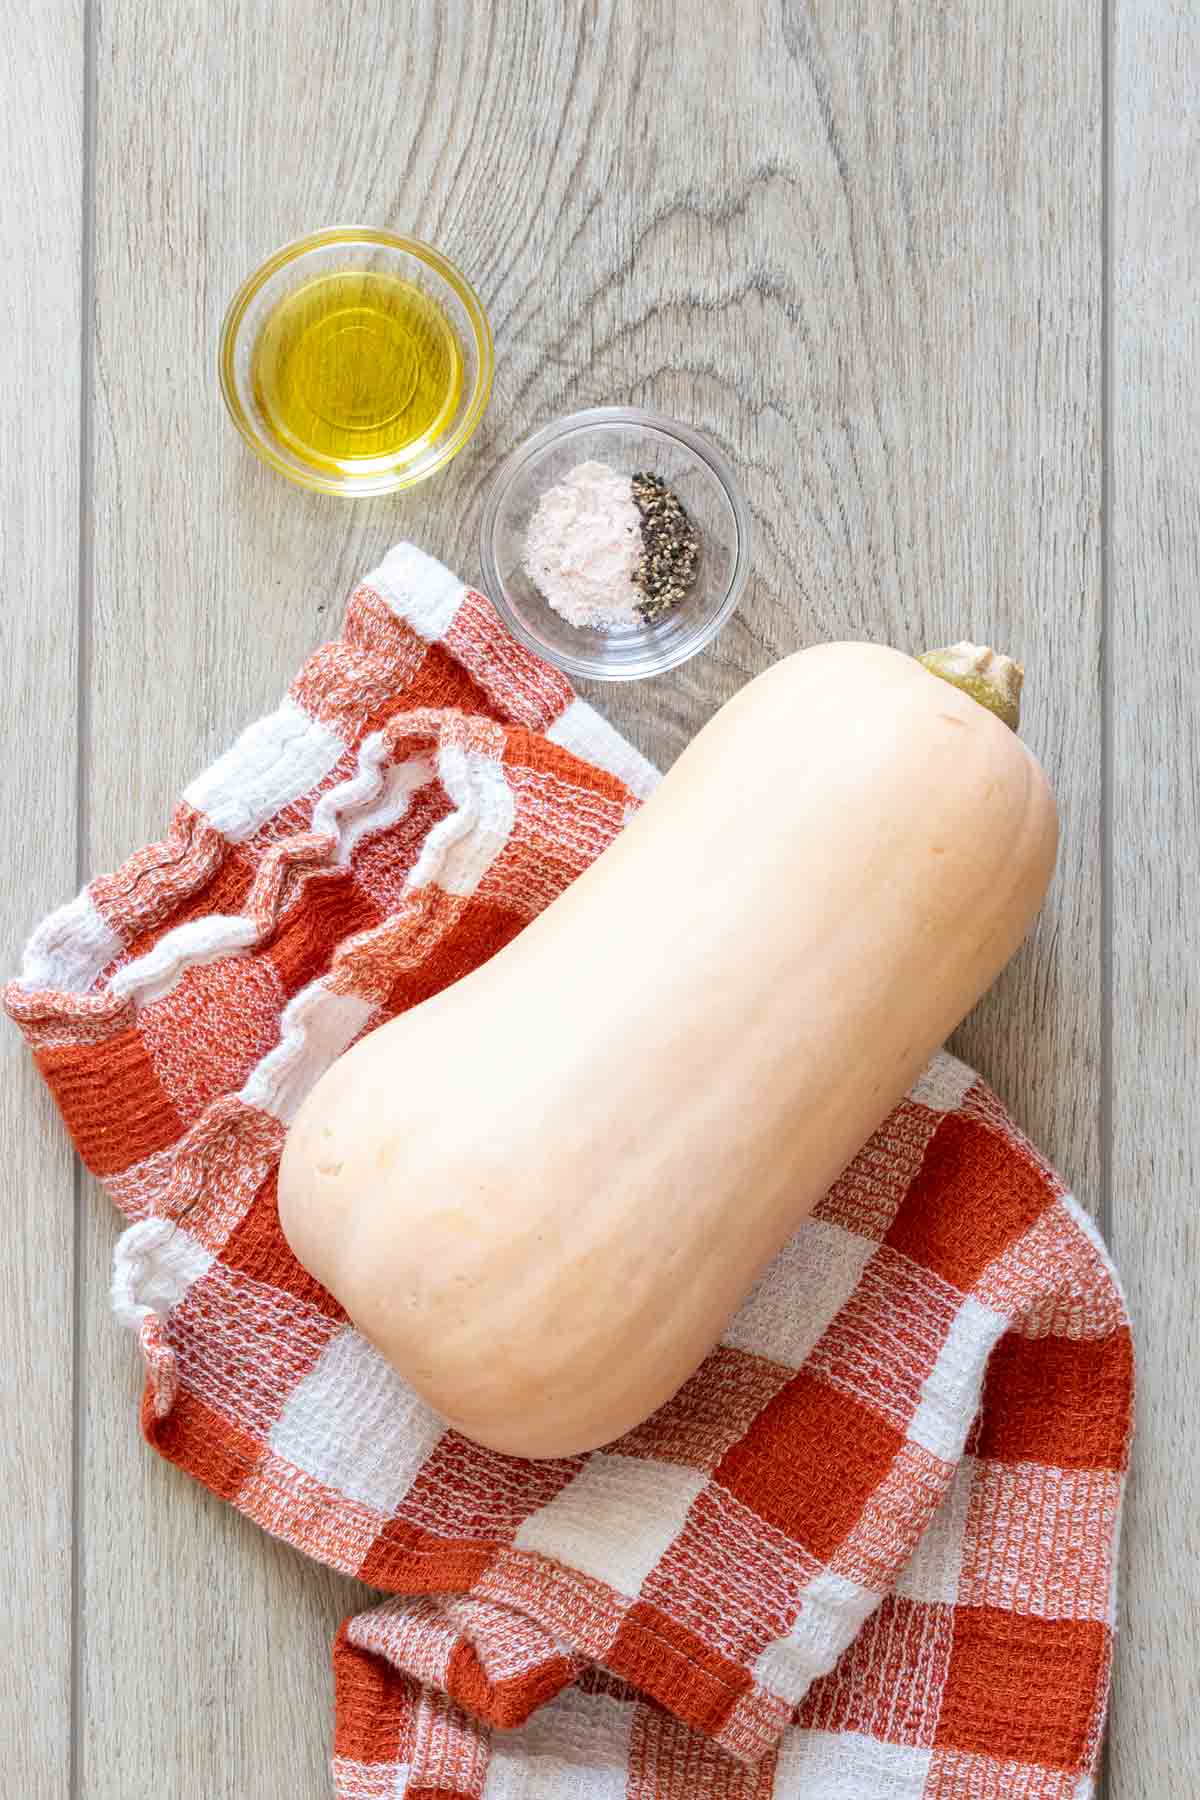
629	441
358	250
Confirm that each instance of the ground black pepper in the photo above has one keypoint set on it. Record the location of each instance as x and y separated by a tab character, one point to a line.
670	547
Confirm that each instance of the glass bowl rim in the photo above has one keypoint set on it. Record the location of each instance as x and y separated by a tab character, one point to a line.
293	251
706	452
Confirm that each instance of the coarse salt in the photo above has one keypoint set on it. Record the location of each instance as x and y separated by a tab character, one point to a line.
583	547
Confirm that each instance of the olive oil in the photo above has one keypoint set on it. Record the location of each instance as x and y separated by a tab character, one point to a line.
357	372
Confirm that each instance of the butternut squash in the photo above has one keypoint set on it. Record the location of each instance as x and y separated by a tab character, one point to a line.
671	1065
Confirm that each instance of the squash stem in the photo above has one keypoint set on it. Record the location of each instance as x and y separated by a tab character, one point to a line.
989	677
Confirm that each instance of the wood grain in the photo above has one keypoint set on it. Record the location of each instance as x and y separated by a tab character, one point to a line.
41	153
857	244
1155	445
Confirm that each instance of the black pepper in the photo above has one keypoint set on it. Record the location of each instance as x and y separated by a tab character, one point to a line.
670	548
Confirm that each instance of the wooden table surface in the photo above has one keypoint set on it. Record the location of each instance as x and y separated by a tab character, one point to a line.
929	275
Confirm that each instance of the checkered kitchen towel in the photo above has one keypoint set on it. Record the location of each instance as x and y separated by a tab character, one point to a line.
868	1550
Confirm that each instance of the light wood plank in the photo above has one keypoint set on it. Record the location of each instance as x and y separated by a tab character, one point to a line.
880	291
205	1666
1155	1739
856	244
41	137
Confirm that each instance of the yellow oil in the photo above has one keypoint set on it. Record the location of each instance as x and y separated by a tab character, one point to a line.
357	371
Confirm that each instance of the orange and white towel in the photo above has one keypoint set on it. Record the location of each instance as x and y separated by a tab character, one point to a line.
867	1552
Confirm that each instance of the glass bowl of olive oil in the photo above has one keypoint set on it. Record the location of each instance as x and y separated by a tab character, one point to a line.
356	361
